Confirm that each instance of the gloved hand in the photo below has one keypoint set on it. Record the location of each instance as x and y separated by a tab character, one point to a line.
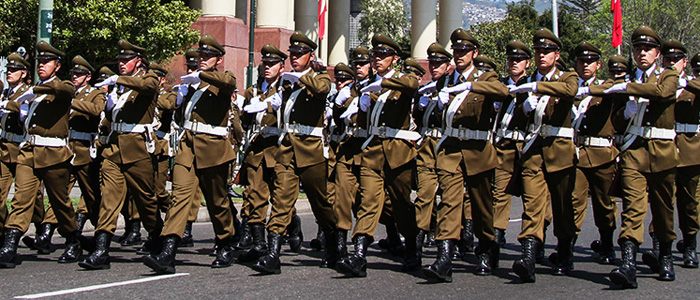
524	88
428	88
111	80
464	86
630	109
343	95
373	87
423	102
292	77
443	98
255	107
112	99
275	100
23	111
352	109
682	82
329	114
617	88
365	102
583	92
530	104
28	95
192	78
182	91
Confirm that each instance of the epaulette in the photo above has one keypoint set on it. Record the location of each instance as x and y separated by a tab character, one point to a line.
397	75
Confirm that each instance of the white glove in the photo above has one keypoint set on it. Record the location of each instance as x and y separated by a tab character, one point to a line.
192	78
617	88
352	109
275	100
530	104
423	102
112	99
255	107
365	101
329	114
342	96
464	86
111	80
524	88
682	82
373	87
23	111
28	95
182	91
428	88
497	105
443	98
630	109
292	77
583	92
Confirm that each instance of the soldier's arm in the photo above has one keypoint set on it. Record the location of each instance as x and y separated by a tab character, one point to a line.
405	83
148	84
222	80
56	87
167	101
94	105
598	89
693	86
564	89
319	84
488	84
663	90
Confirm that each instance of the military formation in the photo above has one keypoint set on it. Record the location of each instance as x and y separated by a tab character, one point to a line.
359	144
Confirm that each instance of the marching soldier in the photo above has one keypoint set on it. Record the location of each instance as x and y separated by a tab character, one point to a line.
128	154
203	158
649	157
164	119
387	158
301	156
466	159
548	157
44	157
410	65
483	63
260	116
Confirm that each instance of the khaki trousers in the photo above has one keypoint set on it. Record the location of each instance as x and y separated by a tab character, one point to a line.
347	196
560	184
162	194
425	201
88	178
642	190
257	193
598	181
501	200
687	198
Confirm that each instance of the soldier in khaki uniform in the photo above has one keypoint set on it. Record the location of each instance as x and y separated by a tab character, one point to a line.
594	138
203	157
649	156
466	159
428	118
387	158
547	157
128	155
260	116
44	157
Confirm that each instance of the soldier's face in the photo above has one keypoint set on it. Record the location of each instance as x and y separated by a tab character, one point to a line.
128	65
208	61
677	62
464	58
545	58
15	76
47	68
518	65
645	56
301	60
587	67
362	70
191	68
273	70
80	79
438	68
383	62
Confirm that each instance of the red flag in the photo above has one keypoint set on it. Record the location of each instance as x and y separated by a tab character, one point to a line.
322	9
616	9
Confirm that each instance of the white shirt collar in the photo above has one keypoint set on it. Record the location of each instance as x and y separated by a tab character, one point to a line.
14	89
387	75
538	76
48	80
466	74
589	81
81	89
638	73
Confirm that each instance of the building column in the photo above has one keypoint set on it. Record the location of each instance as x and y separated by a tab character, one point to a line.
338	31
272	14
423	27
215	8
306	18
450	19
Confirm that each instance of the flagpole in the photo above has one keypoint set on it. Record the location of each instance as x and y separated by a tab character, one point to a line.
555	19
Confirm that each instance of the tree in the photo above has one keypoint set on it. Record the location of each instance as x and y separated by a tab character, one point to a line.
388	17
494	36
91	28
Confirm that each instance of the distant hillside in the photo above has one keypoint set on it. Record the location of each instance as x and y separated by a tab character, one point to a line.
479	11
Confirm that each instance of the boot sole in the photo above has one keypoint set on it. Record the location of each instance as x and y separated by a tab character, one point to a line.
62	260
8	265
265	270
523	273
434	275
621	280
652	261
149	262
92	267
348	270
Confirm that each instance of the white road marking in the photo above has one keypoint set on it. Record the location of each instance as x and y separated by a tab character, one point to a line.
99	286
515	220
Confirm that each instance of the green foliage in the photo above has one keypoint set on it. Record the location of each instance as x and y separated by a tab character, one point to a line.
493	38
91	28
571	31
389	17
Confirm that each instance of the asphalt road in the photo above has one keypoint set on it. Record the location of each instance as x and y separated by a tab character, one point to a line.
302	278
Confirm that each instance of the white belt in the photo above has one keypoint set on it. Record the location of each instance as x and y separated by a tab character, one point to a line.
268	131
356	132
563	132
206	128
299	129
161	134
431	132
468	134
593	141
687	128
649	132
12	137
388	132
38	140
129	128
82	136
336	138
515	135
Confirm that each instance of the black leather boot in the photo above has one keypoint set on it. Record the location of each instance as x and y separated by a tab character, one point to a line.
355	265
626	275
294	234
8	252
246	240
604	248
441	269
152	245
225	257
413	256
666	272
651	258
270	262
466	242
98	259
539	255
392	243
341	237
218	244
690	257
42	240
430	235
330	255
565	261
525	266
487	252
318	243
133	235
164	262
259	246
500	237
187	241
73	249
81	218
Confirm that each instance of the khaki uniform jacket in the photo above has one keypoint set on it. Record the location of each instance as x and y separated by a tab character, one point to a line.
597	123
688	112
309	109
139	108
261	148
49	119
475	112
85	117
653	155
350	150
164	115
426	149
10	123
557	153
395	114
506	149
